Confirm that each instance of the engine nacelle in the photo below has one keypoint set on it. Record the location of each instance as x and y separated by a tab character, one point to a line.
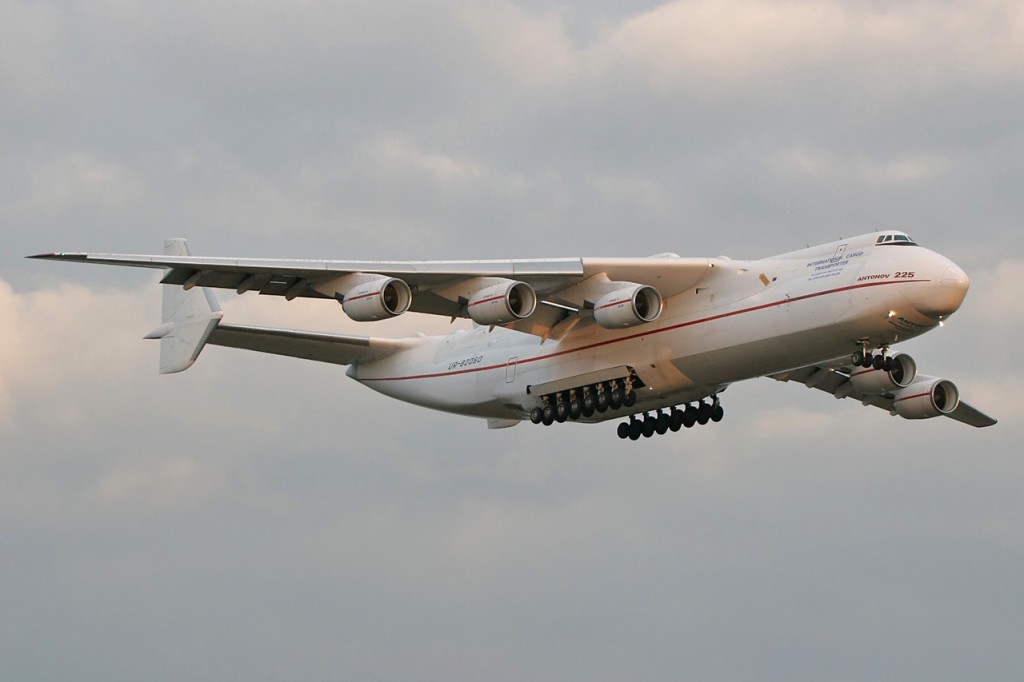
628	307
872	381
502	303
377	299
927	399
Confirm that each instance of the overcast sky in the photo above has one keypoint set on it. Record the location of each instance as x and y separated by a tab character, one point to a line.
267	518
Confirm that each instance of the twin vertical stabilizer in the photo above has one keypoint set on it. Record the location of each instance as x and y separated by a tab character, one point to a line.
188	319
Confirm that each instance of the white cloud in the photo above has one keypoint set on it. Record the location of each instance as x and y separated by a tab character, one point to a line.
529	48
913	43
902	170
66	333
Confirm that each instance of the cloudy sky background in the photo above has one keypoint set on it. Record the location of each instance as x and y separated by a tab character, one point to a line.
266	518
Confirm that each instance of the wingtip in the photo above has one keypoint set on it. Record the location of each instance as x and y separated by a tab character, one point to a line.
60	256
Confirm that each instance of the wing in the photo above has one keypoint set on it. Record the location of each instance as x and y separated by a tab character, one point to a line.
563	286
340	349
834	378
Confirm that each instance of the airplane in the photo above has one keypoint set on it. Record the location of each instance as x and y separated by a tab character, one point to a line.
651	342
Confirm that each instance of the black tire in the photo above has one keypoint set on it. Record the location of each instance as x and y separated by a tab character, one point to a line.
663	423
548	414
615	398
887	366
857	359
575	409
561	411
602	401
675	421
878	362
717	413
868	360
636	429
690	416
703	414
589	404
536	415
650	424
629	400
623	430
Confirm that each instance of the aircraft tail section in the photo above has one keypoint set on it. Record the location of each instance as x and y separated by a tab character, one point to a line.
188	318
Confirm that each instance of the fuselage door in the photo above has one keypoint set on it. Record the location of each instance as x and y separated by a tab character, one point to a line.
510	370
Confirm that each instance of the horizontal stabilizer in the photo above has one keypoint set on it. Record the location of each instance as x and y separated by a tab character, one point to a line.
340	349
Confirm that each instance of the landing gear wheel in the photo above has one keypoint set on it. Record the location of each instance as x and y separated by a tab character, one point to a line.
615	398
602	401
623	430
878	362
589	404
636	429
536	415
887	366
868	360
675	421
857	359
548	413
690	416
561	411
717	413
630	398
575	409
650	424
703	414
662	424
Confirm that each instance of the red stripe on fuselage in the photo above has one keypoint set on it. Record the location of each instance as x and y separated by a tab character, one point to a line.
673	327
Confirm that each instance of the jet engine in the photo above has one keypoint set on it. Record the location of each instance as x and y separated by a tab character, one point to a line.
377	299
872	381
927	399
628	307
502	303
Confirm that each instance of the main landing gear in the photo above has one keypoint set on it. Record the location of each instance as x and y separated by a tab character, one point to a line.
661	422
584	401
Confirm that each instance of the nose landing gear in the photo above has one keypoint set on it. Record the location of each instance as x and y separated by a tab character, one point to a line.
864	358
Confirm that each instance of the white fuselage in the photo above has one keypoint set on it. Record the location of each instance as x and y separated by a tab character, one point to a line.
745	319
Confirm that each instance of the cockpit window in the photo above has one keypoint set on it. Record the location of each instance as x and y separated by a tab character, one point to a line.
895	240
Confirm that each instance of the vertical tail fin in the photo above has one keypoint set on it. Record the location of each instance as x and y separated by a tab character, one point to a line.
188	318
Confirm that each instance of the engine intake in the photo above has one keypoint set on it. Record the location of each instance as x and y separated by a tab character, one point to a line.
628	307
927	399
872	381
377	299
502	303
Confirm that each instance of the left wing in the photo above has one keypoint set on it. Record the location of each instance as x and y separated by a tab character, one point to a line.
563	286
834	378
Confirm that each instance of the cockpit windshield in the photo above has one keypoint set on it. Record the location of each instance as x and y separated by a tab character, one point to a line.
895	240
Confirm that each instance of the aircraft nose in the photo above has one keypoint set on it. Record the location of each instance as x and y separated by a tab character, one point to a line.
945	293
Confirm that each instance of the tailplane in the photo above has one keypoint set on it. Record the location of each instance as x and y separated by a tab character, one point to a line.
188	318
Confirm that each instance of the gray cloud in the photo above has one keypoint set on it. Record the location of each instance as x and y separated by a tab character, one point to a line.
263	517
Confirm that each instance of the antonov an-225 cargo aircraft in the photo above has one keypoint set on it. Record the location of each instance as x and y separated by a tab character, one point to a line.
648	341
